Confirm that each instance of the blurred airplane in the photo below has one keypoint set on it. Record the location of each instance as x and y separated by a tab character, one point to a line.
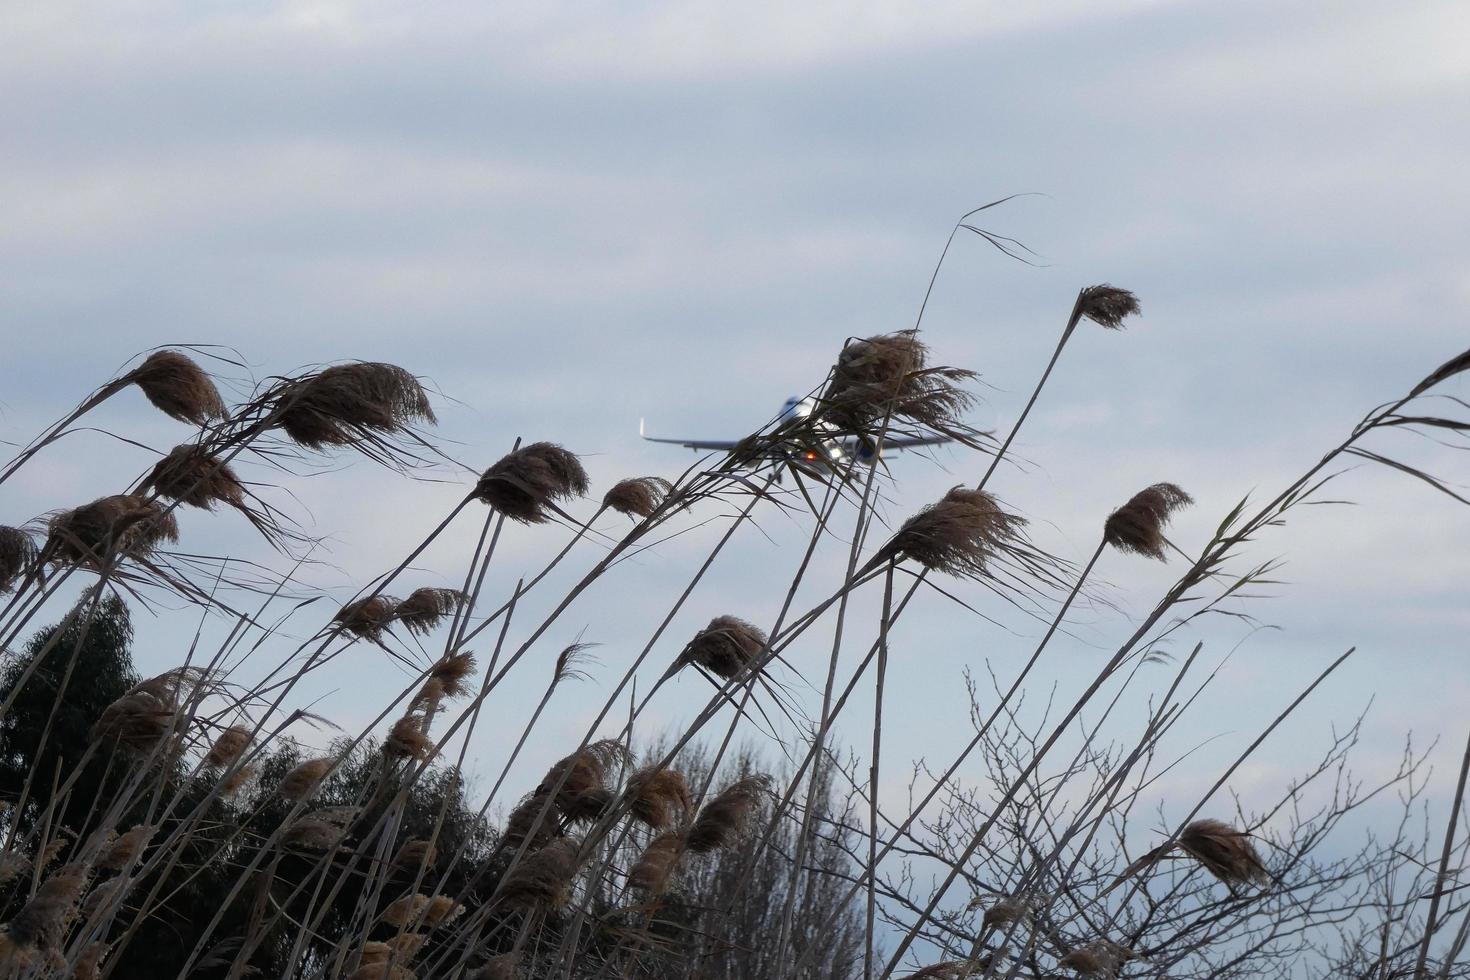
834	452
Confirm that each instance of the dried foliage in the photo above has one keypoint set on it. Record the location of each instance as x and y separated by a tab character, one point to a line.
123	851
1096	959
543	880
1138	526
367	618
656	865
660	797
502	967
304	780
888	377
527	483
228	747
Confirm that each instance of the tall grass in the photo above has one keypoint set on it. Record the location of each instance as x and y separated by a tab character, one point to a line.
195	823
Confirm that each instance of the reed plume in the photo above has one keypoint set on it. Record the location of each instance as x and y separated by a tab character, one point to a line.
139	721
191	475
17	556
1223	851
313	833
958	535
543	879
655	867
660	797
305	779
724	818
502	967
1138	526
525	484
1107	305
367	618
452	670
415	853
89	964
888	376
349	403
177	386
409	738
123	851
725	647
939	971
228	747
638	496
579	782
122	524
40	926
432	911
1096	959
426	608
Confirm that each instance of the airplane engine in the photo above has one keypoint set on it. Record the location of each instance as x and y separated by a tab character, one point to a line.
867	452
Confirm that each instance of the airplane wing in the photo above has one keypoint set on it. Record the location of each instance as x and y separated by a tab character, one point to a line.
691	443
900	442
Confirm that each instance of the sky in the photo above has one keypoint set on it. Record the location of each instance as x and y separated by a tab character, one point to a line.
568	217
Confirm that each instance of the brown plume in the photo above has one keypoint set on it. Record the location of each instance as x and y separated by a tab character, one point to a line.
313	833
583	779
526	822
543	879
1108	305
414	909
415	853
452	670
409	738
42	923
426	608
1138	526
190	475
655	867
17	555
724	818
888	376
958	535
305	779
948	970
228	747
724	647
367	618
526	484
660	797
502	967
1097	959
126	848
121	524
1225	852
89	964
348	403
139	721
178	386
639	496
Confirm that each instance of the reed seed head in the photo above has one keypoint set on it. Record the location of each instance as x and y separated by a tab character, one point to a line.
638	496
1138	526
313	833
543	879
526	484
17	556
725	647
1225	852
1108	305
660	797
415	853
178	386
1096	959
426	608
452	670
725	817
888	376
958	535
502	967
367	618
126	848
228	747
123	524
655	867
190	475
350	403
304	780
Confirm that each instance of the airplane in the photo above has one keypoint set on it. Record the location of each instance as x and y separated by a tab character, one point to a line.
837	453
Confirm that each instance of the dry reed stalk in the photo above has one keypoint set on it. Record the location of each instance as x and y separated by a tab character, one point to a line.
349	403
177	386
17	556
958	535
122	524
659	797
526	484
1138	526
655	867
1107	305
725	817
725	647
426	608
639	496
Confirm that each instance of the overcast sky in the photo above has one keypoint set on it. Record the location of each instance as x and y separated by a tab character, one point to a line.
571	216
